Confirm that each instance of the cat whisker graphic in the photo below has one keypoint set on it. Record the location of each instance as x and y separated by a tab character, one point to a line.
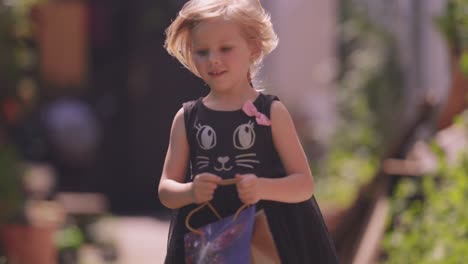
203	163
248	160
203	166
246	155
243	160
245	165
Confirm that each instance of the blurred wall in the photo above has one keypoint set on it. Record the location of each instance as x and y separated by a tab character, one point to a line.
302	68
158	85
138	88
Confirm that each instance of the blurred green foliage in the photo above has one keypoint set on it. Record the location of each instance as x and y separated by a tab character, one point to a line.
8	64
69	237
429	219
15	32
369	99
453	24
11	196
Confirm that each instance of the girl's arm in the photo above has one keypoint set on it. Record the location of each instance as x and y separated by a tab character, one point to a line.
298	185
173	192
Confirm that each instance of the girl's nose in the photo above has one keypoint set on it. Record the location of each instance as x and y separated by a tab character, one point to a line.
214	58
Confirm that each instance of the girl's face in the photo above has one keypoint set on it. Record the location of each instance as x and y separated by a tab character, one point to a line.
221	54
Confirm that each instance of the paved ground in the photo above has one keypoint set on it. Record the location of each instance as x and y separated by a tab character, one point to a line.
141	240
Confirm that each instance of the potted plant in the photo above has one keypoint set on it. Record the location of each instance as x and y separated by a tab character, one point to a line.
10	201
20	242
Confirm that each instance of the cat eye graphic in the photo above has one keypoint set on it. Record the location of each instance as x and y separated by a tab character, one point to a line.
244	136
206	136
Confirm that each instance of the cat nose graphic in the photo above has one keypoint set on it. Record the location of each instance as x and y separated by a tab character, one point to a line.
223	160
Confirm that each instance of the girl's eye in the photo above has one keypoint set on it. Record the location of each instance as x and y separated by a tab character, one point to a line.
226	49
202	53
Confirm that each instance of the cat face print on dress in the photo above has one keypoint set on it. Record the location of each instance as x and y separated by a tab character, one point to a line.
242	140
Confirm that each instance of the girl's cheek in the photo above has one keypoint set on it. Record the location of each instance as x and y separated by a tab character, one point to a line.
198	62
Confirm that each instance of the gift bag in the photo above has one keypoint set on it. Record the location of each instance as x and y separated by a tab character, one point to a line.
226	241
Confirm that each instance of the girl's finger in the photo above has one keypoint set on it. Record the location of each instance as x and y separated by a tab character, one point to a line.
239	178
208	177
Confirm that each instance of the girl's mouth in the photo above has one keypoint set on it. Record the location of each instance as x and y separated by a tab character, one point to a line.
216	73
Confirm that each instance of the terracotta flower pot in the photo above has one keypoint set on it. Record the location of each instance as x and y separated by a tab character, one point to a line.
28	244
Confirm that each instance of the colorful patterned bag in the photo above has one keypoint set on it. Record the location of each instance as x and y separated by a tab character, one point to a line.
226	241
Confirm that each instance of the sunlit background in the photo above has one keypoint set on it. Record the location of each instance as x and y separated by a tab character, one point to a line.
377	90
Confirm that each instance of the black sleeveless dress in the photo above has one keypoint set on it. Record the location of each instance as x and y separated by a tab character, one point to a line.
229	142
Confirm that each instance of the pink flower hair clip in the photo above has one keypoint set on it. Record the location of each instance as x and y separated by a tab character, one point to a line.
250	110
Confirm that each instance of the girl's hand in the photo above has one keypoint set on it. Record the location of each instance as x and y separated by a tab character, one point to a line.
248	188
203	187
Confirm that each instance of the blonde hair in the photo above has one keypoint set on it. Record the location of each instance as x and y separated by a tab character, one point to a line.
253	20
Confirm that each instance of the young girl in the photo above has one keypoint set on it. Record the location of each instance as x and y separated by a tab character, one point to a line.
237	132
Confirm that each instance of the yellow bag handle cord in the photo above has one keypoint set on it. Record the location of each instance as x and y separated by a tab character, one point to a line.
222	183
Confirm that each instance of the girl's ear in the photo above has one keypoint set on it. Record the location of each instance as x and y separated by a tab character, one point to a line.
255	50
